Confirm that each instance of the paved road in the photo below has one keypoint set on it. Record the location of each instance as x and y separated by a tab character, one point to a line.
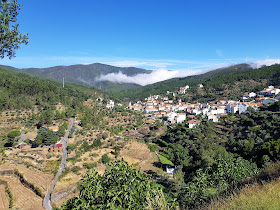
47	199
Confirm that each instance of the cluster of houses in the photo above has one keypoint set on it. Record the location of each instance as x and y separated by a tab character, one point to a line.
159	107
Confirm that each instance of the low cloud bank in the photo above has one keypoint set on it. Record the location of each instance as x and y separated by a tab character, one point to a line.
163	74
267	62
146	79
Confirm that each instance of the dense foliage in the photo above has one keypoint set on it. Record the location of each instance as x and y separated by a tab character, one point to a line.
121	187
229	82
215	157
21	90
215	180
9	34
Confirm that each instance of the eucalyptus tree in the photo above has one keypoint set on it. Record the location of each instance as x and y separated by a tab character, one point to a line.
10	35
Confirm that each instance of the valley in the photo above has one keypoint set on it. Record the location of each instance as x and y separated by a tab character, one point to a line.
147	105
173	150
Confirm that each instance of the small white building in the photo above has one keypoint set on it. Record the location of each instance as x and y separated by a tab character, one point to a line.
171	169
193	123
242	108
171	117
232	108
110	105
181	117
212	117
252	95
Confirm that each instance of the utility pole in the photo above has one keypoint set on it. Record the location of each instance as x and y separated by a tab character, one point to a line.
63	83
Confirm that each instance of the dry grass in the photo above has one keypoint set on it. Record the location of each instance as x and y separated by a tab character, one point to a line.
257	196
23	197
65	198
38	178
139	154
67	182
4	201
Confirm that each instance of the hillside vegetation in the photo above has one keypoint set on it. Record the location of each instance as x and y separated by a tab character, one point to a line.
20	90
86	75
214	158
175	83
227	83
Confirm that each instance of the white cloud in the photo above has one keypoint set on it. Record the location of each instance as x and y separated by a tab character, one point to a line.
145	79
267	62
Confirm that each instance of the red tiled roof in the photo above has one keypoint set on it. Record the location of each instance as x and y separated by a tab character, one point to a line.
194	121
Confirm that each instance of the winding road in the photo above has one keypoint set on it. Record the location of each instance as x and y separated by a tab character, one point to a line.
47	199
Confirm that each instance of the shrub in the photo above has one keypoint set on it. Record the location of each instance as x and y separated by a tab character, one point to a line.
152	147
75	169
90	165
94	155
105	159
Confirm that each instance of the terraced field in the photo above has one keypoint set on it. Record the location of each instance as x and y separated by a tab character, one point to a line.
38	178
23	197
4	201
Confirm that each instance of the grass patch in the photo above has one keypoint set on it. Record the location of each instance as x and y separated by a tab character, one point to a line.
164	160
52	165
257	196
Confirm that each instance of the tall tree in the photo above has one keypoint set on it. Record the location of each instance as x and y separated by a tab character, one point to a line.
10	36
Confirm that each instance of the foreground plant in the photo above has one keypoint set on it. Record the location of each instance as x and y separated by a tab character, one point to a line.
121	187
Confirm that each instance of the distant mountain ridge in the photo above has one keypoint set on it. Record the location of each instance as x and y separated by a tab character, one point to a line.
175	83
86	74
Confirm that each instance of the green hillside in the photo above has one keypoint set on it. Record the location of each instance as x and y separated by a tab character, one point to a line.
175	83
21	90
225	83
86	75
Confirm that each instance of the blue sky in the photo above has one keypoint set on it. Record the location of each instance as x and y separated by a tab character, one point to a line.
153	34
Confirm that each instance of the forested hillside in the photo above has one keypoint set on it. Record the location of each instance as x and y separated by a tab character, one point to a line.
215	157
228	83
87	74
176	83
20	90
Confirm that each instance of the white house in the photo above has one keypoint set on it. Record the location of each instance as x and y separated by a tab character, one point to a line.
181	117
243	108
150	109
232	108
193	123
171	117
212	117
171	169
221	109
252	95
196	111
110	105
183	89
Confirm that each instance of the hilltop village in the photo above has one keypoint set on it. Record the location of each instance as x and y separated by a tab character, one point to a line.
170	108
